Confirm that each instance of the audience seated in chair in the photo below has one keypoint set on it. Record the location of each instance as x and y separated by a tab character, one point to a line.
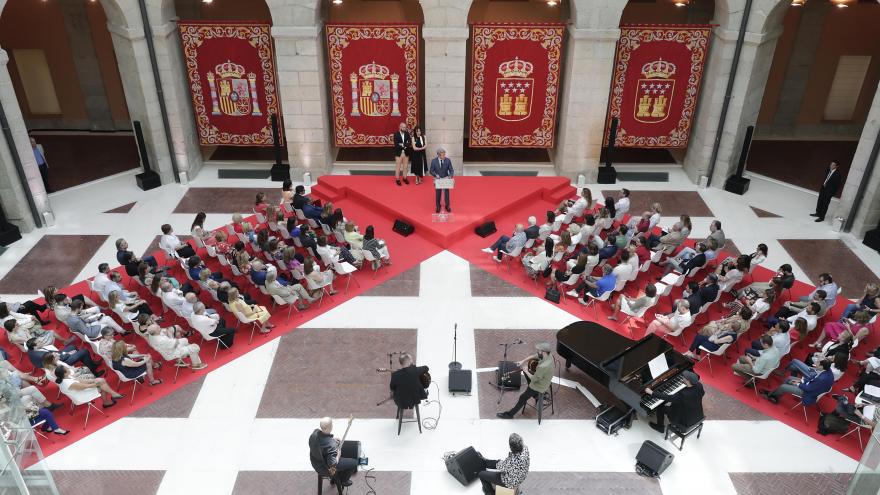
673	322
748	366
170	343
807	389
170	243
634	304
508	244
81	388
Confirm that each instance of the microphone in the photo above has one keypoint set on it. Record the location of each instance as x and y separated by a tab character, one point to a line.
456	327
519	341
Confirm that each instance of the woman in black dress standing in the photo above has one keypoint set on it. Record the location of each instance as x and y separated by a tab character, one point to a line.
418	159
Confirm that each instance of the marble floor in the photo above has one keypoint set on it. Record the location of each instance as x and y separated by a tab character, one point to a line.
240	430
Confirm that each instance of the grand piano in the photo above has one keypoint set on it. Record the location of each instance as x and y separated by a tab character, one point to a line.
619	368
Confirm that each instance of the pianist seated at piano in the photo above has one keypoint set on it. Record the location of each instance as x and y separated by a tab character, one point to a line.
683	408
679	319
632	305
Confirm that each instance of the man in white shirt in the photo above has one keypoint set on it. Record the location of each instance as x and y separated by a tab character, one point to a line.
781	339
623	270
171	243
187	309
102	278
211	325
621	206
172	297
810	314
577	209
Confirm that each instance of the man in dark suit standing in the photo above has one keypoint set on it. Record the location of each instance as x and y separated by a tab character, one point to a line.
402	146
441	168
406	385
827	191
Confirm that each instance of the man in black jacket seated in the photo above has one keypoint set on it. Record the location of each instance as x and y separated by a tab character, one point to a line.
406	386
323	451
685	406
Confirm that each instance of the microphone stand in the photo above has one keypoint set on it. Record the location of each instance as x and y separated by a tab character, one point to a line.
389	370
502	372
455	365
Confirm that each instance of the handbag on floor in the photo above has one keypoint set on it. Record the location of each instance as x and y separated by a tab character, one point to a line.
552	294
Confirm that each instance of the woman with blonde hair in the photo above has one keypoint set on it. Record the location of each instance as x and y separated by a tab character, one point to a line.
869	302
131	366
127	310
250	312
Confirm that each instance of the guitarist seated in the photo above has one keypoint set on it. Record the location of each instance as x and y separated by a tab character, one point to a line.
406	383
324	454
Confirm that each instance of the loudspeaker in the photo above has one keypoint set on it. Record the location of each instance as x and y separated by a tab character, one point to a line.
403	228
352	449
737	185
872	239
465	465
148	180
486	229
607	175
279	172
460	381
513	381
653	458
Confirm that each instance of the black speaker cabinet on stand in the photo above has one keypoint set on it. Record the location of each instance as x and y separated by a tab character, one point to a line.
872	239
607	174
147	179
9	233
736	183
280	171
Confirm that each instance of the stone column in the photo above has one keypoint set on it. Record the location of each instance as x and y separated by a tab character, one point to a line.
140	95
88	71
178	100
584	103
748	90
305	110
445	92
445	36
12	195
869	210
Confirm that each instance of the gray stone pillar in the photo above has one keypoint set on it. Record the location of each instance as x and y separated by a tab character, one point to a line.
869	211
445	92
303	94
445	35
88	71
178	100
748	90
12	194
583	107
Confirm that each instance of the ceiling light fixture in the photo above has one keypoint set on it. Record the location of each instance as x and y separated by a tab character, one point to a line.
337	2
682	3
841	4
552	3
798	3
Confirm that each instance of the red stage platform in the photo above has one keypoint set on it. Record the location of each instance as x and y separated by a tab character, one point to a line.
474	200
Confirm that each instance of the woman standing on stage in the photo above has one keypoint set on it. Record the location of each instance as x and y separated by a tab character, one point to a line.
402	147
418	159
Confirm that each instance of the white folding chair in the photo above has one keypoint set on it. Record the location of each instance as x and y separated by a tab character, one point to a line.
312	286
509	256
280	301
638	315
369	258
74	402
242	319
347	270
801	403
707	356
593	300
122	379
753	380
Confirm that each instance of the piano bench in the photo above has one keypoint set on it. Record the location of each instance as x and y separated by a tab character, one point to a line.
675	431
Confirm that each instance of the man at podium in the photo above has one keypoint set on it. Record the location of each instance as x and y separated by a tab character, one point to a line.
441	168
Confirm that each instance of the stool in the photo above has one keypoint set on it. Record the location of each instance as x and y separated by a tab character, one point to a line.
321	478
675	431
500	490
400	420
539	404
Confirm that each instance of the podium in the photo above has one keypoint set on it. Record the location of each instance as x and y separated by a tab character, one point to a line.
445	183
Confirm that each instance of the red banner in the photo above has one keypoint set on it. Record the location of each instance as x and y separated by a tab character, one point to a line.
515	85
374	81
656	83
231	69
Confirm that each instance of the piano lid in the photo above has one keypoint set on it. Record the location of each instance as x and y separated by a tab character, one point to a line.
592	341
638	356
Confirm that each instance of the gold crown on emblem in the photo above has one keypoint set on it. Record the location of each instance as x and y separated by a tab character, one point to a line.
515	68
229	69
374	71
658	69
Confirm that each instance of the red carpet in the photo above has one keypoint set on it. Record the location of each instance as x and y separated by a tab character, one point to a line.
506	200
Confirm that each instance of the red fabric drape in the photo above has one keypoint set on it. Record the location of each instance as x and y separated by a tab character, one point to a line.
515	84
231	69
656	84
374	81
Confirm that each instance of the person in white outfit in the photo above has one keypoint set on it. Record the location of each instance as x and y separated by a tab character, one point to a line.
621	206
170	343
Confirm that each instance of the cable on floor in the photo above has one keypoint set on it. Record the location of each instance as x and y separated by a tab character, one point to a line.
429	422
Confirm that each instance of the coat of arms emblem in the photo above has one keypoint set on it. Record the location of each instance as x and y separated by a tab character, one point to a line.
236	94
513	90
654	92
374	91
